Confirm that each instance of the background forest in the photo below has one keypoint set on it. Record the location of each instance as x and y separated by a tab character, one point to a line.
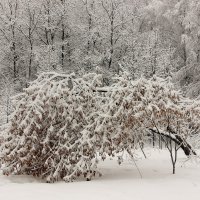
145	38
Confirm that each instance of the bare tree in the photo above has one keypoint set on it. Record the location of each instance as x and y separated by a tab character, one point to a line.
8	28
28	26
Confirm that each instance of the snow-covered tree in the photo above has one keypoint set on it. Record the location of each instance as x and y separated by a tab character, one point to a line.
61	123
28	24
135	107
6	92
48	134
9	15
188	77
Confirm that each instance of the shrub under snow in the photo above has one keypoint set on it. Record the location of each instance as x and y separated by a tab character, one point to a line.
61	123
47	136
135	108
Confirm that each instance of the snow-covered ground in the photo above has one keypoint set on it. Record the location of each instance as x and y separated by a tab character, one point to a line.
117	183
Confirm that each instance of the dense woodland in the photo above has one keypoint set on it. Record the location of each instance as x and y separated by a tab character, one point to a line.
84	44
144	37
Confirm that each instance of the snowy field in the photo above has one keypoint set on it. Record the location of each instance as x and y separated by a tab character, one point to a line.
117	183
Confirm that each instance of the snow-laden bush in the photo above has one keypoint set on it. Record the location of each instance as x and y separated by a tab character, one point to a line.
47	136
62	123
135	108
